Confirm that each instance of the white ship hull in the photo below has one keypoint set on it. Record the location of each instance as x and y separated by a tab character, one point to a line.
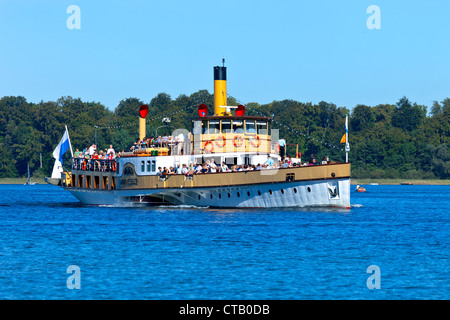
327	192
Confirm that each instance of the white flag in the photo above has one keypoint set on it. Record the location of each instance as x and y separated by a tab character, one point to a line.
62	147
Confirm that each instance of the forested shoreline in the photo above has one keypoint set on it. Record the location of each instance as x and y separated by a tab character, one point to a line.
399	140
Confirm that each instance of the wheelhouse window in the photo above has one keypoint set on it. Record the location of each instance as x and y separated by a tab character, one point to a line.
262	127
214	127
204	127
226	126
238	126
250	126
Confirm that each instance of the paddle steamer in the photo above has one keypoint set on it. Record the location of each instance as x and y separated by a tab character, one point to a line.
227	136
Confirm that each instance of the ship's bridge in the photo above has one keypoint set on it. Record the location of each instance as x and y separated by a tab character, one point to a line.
226	134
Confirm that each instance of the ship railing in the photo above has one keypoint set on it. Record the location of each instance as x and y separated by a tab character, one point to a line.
94	164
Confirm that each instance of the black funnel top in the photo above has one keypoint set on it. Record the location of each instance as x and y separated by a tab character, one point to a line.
220	73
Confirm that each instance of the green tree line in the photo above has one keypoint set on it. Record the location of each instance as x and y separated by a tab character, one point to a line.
401	140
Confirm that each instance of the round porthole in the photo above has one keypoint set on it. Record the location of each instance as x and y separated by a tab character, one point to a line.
309	189
295	190
333	174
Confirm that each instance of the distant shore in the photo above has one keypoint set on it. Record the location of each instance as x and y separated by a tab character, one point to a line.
21	180
400	181
353	181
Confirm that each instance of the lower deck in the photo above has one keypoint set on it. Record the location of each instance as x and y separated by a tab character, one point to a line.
327	185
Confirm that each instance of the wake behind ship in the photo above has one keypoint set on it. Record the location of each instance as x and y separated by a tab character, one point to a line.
227	159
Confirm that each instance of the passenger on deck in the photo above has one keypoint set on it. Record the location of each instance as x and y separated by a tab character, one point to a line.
180	143
92	149
269	161
224	167
198	169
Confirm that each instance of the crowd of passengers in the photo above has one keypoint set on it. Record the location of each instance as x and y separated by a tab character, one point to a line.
91	158
160	142
211	167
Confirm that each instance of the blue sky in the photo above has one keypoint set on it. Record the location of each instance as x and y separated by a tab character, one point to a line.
303	50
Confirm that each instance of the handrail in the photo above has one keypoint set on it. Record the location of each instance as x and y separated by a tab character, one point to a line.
86	164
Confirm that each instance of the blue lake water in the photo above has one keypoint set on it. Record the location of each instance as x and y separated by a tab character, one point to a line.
202	253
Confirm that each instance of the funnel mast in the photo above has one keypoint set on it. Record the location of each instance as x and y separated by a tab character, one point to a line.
220	90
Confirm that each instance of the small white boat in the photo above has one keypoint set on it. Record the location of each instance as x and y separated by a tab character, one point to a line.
29	177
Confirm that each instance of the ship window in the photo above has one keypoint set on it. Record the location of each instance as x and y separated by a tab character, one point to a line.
238	194
259	193
214	127
204	127
128	170
237	126
226	126
142	166
282	191
248	193
198	197
229	195
149	167
270	191
210	195
220	196
295	190
153	165
250	126
261	127
309	189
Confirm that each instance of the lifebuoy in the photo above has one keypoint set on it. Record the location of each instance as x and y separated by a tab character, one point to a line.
224	142
256	142
114	167
83	165
277	148
238	141
210	149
